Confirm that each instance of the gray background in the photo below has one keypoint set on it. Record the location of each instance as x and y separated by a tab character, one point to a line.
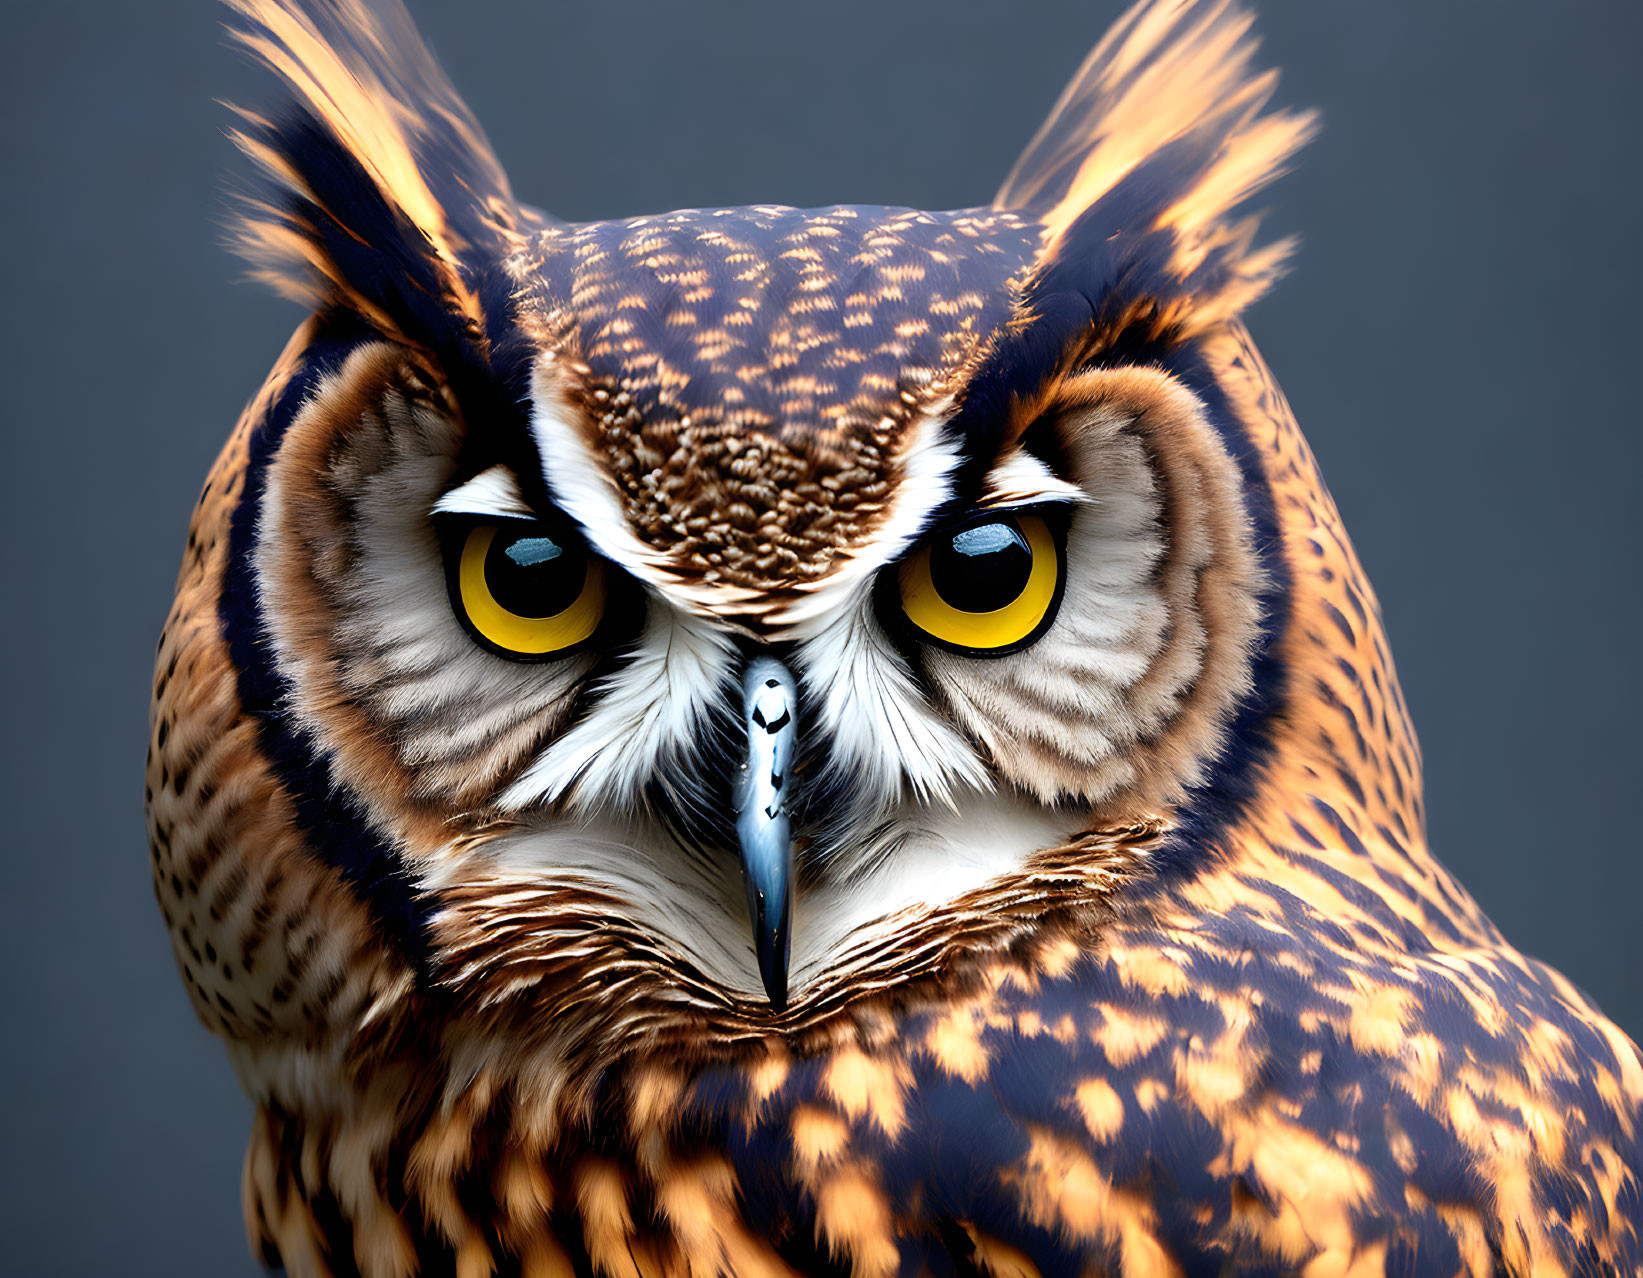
1459	338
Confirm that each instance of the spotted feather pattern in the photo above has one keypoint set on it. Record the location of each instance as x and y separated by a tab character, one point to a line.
1315	1055
1256	1028
752	373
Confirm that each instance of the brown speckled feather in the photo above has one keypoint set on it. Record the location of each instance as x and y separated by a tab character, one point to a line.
751	374
1233	1017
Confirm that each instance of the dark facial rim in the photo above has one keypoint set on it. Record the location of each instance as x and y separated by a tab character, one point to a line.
332	823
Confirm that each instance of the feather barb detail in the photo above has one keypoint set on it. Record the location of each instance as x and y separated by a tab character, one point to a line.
382	193
1169	106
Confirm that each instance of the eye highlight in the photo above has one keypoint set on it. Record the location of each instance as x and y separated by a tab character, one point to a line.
525	589
986	589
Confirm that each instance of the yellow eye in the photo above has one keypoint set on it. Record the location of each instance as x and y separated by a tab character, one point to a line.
527	590
987	589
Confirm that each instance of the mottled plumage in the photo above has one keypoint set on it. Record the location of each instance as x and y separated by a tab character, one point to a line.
1108	942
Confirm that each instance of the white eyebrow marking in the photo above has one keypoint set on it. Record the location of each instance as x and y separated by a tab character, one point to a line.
491	492
927	464
1023	480
582	486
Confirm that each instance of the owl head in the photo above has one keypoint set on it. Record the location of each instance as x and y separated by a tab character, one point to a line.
708	619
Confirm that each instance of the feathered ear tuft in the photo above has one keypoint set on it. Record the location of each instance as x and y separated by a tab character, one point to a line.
1156	141
383	195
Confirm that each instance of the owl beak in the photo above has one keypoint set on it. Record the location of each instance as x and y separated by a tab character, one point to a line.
770	717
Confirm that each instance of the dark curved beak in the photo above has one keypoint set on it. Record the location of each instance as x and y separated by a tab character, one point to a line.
770	717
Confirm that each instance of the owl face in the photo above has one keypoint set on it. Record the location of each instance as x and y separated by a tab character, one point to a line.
527	641
708	610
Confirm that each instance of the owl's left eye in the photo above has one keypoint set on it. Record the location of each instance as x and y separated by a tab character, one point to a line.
986	589
526	589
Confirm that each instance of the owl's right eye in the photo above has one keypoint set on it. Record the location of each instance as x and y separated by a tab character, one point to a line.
526	589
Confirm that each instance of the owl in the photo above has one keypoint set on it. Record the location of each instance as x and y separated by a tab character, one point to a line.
765	741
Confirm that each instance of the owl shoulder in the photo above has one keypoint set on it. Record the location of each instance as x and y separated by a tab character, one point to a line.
1230	1087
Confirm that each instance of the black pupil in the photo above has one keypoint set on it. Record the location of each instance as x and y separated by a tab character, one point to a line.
981	569
534	573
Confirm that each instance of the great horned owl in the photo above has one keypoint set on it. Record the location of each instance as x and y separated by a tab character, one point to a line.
761	740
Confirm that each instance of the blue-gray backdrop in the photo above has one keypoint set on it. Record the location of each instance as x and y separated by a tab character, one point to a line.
1460	339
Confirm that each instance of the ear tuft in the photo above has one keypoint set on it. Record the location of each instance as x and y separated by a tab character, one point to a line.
1158	138
382	195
